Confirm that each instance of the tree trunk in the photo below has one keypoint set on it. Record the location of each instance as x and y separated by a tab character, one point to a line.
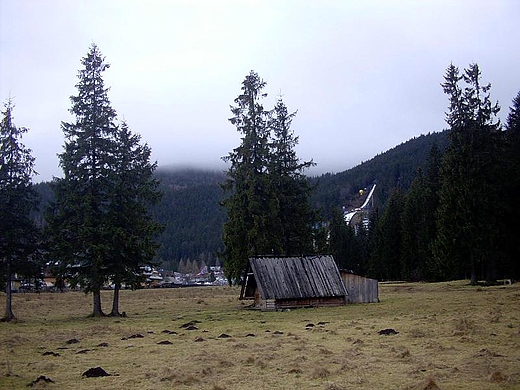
9	315
97	310
115	302
491	270
474	279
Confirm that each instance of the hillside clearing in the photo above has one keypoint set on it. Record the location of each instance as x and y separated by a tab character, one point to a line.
447	336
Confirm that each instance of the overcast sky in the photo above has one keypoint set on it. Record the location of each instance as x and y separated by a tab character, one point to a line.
364	75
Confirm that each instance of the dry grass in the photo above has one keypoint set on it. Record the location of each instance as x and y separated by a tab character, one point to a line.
450	336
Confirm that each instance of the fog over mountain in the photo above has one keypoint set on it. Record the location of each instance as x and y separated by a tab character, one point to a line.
364	76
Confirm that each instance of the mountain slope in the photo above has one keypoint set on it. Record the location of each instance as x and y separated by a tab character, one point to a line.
394	168
191	215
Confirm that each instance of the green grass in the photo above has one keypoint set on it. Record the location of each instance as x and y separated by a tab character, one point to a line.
451	336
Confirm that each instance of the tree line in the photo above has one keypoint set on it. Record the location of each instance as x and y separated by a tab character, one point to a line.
459	218
455	219
193	219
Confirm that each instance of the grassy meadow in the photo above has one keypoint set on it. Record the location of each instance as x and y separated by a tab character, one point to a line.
450	336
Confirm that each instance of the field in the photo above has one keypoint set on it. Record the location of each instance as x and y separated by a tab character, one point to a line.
447	336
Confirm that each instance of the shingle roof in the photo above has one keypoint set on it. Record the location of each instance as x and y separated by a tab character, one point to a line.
297	277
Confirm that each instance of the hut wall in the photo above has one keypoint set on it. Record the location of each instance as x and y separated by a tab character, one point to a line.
279	304
360	289
308	302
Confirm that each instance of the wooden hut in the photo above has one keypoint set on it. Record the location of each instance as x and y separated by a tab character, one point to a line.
359	288
289	282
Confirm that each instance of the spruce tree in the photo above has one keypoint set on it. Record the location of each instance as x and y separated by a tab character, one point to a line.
268	196
431	202
360	250
18	233
385	256
513	118
509	196
346	242
291	187
467	241
414	219
100	226
251	204
134	189
418	222
80	228
338	240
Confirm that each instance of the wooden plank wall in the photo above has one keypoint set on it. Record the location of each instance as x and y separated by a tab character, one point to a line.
281	304
297	277
360	289
310	302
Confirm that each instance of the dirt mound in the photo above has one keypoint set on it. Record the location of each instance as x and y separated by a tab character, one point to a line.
95	372
165	342
166	331
50	353
41	379
388	332
190	324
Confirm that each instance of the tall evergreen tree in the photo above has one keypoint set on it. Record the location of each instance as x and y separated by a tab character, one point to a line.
418	222
385	256
338	240
290	185
431	201
18	233
511	179
134	189
79	226
467	240
346	242
361	250
513	118
252	205
268	204
414	219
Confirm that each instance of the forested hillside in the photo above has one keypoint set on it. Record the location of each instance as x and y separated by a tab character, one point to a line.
192	217
396	167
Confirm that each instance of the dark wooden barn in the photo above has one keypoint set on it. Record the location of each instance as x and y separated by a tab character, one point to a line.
288	282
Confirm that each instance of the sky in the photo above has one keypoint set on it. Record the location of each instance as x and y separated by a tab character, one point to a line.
363	76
